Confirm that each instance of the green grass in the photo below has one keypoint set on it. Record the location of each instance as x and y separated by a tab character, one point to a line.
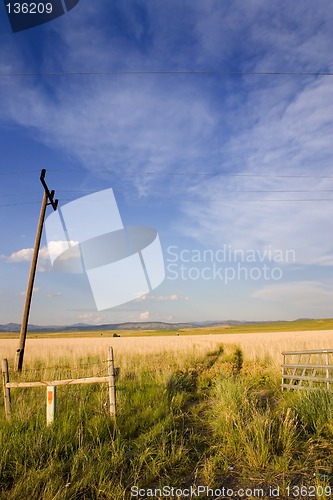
284	326
183	420
271	326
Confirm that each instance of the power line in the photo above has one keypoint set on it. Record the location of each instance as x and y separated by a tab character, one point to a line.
223	200
181	174
10	172
19	204
280	191
91	191
167	72
208	174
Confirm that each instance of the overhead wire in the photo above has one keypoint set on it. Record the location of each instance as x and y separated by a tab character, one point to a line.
223	200
91	191
189	173
165	72
206	174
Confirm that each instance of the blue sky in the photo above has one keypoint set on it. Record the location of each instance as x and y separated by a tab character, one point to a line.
137	96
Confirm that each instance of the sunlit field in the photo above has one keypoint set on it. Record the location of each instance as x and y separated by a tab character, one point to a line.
193	411
256	346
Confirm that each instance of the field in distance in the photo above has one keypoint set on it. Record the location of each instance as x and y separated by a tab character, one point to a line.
251	327
256	345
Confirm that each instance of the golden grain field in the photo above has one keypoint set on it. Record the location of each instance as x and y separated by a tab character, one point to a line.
255	346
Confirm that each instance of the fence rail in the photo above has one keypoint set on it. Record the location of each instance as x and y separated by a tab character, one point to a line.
308	370
55	383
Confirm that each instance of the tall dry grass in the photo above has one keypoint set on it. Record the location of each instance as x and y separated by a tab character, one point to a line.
189	412
255	346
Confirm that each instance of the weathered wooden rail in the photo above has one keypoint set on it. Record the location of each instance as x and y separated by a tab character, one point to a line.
308	370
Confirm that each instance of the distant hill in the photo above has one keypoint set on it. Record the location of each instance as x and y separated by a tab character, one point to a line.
145	325
139	325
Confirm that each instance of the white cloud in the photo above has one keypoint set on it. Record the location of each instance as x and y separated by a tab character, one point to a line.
43	263
302	293
24	255
90	318
192	33
134	125
123	127
284	137
35	290
144	127
161	298
59	247
274	37
279	127
144	316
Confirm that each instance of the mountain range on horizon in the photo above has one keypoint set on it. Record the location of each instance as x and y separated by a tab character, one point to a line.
142	325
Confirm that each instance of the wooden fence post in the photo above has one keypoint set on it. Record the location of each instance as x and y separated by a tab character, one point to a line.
112	383
6	390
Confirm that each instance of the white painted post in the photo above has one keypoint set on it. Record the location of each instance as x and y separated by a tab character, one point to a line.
50	403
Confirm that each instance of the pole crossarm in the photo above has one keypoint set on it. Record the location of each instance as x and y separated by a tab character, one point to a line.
49	194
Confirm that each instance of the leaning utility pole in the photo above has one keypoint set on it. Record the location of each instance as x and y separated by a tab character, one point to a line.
48	199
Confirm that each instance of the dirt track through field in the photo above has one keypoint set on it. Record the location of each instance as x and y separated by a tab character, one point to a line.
255	346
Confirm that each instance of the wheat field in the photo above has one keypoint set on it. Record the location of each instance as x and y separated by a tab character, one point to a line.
255	346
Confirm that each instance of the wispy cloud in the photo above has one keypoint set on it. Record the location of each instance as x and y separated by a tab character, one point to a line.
288	137
52	295
311	294
274	37
197	35
135	125
137	130
162	298
175	138
91	318
35	290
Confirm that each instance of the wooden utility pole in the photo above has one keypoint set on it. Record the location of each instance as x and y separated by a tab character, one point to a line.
48	199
